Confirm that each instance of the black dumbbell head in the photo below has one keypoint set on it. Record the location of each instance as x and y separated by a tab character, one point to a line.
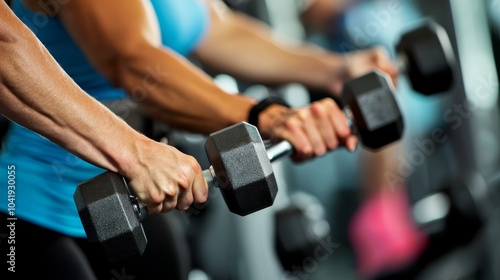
242	169
109	217
299	228
428	57
372	106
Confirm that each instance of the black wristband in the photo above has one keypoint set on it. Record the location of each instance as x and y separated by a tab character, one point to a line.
253	116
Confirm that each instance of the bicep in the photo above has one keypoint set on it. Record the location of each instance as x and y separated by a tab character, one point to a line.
108	30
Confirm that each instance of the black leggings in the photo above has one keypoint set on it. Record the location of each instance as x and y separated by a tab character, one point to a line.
51	255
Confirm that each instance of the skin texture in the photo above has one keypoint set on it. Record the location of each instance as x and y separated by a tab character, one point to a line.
263	58
157	78
37	94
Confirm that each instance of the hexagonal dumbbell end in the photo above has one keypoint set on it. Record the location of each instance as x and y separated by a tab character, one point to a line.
371	106
242	168
427	57
109	217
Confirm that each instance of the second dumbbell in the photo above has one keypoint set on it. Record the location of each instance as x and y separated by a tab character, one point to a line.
426	55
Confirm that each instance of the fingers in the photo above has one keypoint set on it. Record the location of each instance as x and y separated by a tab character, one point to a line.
321	132
185	196
156	200
317	129
191	183
168	180
337	117
342	130
200	189
295	132
351	143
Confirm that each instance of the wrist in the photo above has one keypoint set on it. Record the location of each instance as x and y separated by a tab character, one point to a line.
128	156
265	113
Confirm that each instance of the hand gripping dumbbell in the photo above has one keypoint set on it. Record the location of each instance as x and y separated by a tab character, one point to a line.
241	168
111	215
426	55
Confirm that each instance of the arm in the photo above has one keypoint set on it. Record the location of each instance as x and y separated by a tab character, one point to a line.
261	57
36	93
120	38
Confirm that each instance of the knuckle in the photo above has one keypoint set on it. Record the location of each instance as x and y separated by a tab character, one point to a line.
302	115
292	123
318	110
188	200
156	199
332	143
154	209
168	206
305	149
170	192
320	150
192	164
201	198
326	101
182	181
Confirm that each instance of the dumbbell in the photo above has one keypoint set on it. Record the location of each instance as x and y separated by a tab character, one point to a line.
300	228
241	168
426	55
452	218
458	210
111	214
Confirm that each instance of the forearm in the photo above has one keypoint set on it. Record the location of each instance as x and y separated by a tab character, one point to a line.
174	91
31	86
247	49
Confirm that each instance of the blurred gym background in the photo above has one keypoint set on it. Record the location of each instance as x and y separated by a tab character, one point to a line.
453	185
464	243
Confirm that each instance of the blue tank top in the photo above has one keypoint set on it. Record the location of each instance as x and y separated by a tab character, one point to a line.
47	175
183	23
